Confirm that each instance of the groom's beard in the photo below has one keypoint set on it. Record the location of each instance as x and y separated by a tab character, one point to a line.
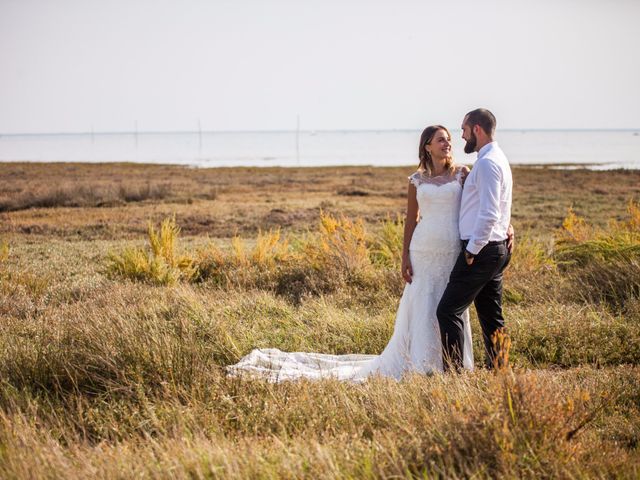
470	146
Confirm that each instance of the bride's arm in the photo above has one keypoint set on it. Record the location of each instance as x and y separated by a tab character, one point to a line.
410	223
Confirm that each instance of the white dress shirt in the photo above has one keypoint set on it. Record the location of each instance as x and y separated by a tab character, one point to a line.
485	208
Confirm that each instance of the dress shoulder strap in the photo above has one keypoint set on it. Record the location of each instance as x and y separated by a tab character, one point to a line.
416	178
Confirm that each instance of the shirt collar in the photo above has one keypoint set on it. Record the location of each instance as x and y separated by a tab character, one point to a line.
483	151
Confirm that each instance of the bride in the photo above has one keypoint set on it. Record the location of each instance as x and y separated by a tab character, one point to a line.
431	246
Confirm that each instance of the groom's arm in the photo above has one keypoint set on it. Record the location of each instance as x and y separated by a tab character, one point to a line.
488	181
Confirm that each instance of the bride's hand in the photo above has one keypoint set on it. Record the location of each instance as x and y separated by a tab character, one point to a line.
407	270
511	238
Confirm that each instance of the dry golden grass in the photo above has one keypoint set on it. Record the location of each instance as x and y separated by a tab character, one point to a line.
110	374
521	425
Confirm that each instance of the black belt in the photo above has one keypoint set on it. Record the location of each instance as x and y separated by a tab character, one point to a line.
493	242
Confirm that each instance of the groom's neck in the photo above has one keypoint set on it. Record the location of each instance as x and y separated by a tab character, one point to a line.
481	142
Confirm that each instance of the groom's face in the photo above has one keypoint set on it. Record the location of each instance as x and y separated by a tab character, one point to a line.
469	136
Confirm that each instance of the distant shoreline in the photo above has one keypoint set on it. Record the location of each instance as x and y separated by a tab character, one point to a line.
594	149
527	166
303	131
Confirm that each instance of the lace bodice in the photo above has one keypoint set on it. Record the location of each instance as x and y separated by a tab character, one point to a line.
419	178
439	206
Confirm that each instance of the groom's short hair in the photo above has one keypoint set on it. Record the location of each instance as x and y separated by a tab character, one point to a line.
484	118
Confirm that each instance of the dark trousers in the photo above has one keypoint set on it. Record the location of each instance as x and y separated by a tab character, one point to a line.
480	283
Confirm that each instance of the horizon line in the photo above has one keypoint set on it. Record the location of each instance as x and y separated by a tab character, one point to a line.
293	131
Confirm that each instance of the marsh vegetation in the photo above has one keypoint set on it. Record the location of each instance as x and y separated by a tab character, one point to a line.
123	297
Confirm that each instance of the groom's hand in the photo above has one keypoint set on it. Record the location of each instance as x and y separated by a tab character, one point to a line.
468	257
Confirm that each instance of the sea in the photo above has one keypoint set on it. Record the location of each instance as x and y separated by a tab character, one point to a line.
593	149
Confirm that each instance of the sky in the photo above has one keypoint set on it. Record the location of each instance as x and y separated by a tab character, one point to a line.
160	65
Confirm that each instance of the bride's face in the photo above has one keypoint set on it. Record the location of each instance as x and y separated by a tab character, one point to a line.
440	145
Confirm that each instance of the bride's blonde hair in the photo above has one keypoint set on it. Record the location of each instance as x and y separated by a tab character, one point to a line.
426	162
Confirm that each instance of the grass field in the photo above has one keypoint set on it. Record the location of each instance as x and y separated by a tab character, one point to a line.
113	338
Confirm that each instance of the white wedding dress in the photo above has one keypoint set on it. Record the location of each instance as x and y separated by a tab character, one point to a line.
415	345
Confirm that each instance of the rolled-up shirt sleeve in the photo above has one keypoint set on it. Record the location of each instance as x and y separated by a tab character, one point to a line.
489	181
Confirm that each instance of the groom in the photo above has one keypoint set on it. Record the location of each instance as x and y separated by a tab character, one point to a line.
485	213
